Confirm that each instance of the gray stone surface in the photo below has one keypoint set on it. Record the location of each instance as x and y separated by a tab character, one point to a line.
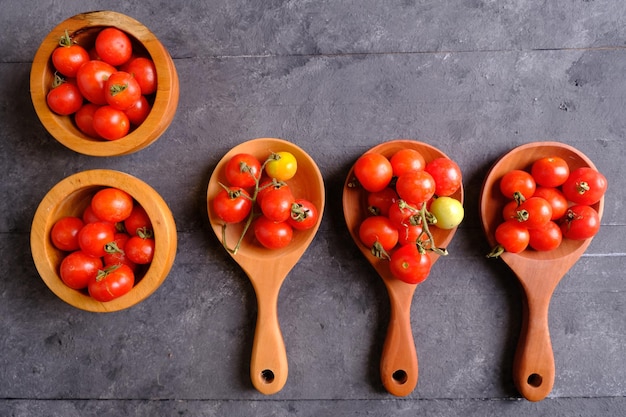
475	78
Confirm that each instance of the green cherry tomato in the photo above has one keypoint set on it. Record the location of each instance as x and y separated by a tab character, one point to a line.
448	211
282	166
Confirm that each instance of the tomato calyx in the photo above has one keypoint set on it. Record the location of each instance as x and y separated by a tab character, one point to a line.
65	40
496	252
118	88
145	233
112	248
58	80
299	213
582	187
103	273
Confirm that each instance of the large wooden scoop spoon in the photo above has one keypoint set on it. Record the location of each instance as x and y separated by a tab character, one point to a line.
538	272
398	365
267	269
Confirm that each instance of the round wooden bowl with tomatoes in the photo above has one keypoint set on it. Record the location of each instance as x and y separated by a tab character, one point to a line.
69	198
147	121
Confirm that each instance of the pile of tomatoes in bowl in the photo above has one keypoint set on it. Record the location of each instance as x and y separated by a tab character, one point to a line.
546	204
108	87
107	248
258	194
406	197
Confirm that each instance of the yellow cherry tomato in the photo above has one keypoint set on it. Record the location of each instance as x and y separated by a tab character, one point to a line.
448	212
282	166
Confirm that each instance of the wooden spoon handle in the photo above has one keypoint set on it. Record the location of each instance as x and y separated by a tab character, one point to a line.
398	365
533	367
268	365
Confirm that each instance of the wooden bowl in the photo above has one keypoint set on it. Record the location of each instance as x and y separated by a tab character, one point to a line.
69	198
84	28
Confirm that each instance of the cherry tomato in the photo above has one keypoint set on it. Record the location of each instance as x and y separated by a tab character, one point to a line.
84	119
64	98
115	252
415	186
113	46
555	197
276	203
272	235
137	219
64	233
112	204
409	265
406	160
110	123
448	211
78	269
69	57
373	171
94	236
282	166
585	186
265	185
138	112
402	214
232	205
243	170
512	236
378	230
545	238
534	212
447	175
304	214
144	71
91	79
580	222
410	234
551	171
89	216
140	250
122	90
517	181
111	283
379	202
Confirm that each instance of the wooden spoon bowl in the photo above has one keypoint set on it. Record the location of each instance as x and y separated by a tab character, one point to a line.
83	28
539	272
268	268
70	197
398	366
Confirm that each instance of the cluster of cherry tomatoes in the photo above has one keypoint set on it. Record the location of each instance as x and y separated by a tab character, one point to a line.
406	196
547	204
107	248
260	195
107	89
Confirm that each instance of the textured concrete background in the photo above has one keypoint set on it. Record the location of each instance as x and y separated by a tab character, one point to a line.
475	78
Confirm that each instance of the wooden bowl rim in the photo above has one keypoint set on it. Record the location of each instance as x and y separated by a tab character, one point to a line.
160	216
165	100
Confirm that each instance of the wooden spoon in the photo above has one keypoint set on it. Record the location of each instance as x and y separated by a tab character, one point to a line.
398	365
538	272
267	269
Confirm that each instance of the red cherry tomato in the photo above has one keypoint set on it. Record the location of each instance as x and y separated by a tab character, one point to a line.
64	233
64	98
89	216
304	214
84	119
93	237
69	57
409	265
112	204
555	197
580	222
276	203
110	123
138	112
140	250
551	171
379	202
91	79
416	187
115	252
272	235
512	236
138	219
447	176
122	90
144	71
585	186
232	205
378	230
545	238
517	181
411	234
243	170
373	171
78	269
401	215
111	283
534	212
113	46
406	160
